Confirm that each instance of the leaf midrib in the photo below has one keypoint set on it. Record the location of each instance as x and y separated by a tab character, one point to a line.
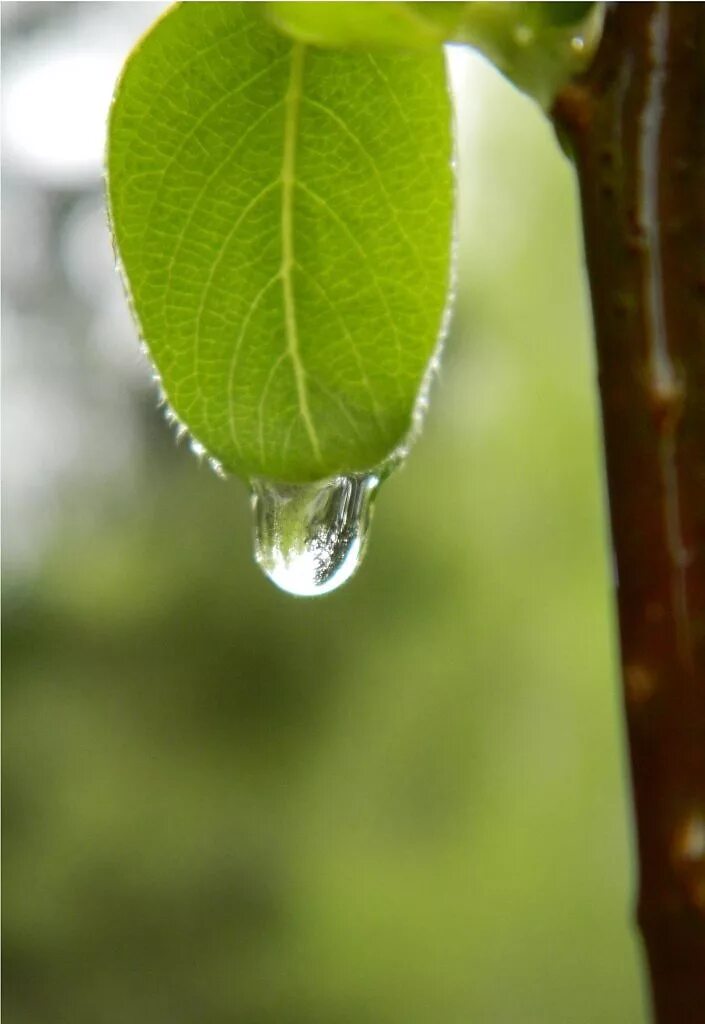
292	106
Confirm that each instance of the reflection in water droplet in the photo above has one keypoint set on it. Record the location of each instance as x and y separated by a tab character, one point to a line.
310	538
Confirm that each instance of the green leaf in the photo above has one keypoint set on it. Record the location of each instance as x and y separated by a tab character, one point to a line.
283	215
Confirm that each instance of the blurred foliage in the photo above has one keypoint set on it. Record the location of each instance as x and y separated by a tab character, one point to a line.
402	802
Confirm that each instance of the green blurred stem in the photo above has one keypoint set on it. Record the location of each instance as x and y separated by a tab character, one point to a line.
538	46
636	125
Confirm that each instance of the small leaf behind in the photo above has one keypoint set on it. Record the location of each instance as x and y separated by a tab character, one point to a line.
538	46
283	215
325	23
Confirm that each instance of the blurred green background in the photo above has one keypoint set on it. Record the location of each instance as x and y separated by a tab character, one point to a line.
402	802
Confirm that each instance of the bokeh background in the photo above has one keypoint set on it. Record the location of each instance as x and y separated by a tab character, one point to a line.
402	802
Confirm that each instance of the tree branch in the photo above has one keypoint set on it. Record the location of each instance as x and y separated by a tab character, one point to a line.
636	123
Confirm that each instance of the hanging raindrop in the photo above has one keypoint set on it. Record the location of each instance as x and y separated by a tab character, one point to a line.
310	538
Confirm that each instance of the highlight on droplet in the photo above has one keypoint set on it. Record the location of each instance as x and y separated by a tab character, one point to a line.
311	538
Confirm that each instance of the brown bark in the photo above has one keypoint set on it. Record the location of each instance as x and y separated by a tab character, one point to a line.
636	124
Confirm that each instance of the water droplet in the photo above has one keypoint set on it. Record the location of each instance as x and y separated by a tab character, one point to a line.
217	467
310	538
523	35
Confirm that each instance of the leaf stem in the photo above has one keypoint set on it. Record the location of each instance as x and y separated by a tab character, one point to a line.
636	123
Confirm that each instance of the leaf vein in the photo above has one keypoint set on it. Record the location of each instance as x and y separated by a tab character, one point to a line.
353	344
360	145
182	234
216	263
351	235
236	351
229	94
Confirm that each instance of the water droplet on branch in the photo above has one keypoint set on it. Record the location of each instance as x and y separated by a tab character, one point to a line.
310	538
